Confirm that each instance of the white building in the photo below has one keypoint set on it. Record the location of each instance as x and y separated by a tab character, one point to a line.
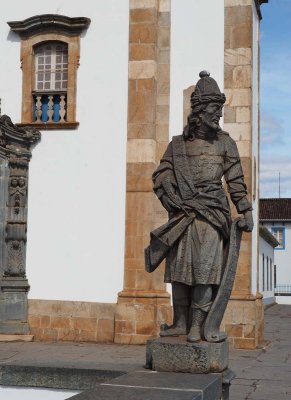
103	81
267	265
275	215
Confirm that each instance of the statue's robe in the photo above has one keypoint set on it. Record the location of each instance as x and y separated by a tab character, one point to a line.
193	240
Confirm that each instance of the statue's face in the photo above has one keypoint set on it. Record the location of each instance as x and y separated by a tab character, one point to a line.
211	115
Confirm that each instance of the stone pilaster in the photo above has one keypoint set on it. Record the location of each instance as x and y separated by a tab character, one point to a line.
244	316
144	302
15	154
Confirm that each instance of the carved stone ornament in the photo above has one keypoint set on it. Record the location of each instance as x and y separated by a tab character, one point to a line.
48	23
15	153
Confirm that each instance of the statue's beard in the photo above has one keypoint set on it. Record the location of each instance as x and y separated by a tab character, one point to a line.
212	125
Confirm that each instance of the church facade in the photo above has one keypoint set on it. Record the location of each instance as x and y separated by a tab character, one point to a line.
107	83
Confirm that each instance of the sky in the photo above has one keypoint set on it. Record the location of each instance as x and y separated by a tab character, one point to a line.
275	96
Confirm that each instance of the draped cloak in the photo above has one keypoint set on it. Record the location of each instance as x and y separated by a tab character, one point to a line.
190	175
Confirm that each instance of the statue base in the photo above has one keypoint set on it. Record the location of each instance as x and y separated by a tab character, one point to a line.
175	354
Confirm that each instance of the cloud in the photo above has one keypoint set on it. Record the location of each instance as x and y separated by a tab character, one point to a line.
271	130
270	167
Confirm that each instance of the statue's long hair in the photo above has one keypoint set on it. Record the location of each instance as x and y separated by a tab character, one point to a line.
193	121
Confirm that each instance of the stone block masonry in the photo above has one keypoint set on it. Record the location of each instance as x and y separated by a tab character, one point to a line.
52	320
144	303
243	319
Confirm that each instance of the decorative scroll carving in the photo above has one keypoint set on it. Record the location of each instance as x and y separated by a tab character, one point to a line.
15	240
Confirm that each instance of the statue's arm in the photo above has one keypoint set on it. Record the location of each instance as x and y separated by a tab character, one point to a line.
236	186
165	185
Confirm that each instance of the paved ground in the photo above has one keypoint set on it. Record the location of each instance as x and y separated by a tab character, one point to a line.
266	374
263	374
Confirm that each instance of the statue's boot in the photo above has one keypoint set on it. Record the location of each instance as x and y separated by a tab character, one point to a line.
179	326
198	318
200	305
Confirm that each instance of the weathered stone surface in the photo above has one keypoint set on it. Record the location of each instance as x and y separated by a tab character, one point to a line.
164	36
143	4
142	385
138	52
238	131
141	150
165	5
175	354
229	114
15	151
241	35
52	377
234	3
139	15
71	321
243	114
239	56
237	15
164	19
148	118
142	69
143	33
238	97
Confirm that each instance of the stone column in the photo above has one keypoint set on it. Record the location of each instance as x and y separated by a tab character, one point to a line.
15	154
144	302
244	316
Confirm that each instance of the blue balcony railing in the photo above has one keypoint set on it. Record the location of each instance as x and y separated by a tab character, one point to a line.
49	107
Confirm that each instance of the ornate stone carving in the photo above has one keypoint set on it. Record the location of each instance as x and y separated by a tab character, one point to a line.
17	192
49	22
15	153
15	147
15	240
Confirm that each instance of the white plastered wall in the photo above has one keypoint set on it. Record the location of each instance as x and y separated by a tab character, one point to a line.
282	257
76	220
267	290
197	43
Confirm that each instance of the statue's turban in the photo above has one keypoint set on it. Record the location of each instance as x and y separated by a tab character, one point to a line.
206	91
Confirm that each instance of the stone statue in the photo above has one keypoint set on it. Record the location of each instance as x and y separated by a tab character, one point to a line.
195	240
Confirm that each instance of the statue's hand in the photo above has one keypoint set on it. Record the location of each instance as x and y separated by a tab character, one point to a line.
247	223
169	204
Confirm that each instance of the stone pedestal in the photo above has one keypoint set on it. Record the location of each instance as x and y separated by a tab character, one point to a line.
175	354
145	385
13	306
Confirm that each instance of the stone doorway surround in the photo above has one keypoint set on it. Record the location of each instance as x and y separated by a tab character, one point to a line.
15	153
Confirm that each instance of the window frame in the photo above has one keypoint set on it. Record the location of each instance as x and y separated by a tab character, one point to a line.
273	228
28	69
33	32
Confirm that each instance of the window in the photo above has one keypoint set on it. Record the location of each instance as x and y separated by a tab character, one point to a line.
51	81
279	234
51	66
50	52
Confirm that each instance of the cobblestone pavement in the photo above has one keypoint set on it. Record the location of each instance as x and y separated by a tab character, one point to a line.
263	374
